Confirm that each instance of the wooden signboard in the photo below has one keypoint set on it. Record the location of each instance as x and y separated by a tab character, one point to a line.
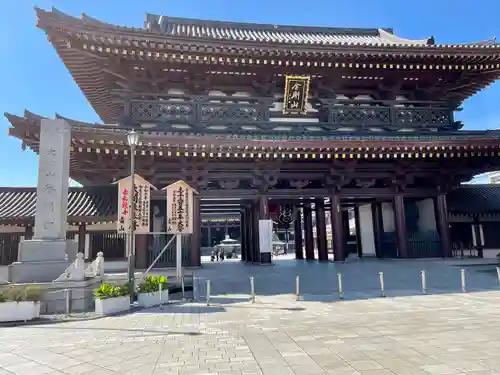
141	198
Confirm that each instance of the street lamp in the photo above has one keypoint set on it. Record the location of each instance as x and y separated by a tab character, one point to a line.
133	141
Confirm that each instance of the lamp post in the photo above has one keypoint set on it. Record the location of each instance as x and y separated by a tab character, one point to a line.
132	140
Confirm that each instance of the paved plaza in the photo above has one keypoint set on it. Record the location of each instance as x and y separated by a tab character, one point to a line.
405	333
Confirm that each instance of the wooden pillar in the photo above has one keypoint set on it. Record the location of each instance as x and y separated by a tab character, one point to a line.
443	225
264	215
476	227
243	236
337	229
378	227
357	226
308	232
400	223
346	230
321	231
142	251
28	233
82	230
255	233
249	233
195	240
299	249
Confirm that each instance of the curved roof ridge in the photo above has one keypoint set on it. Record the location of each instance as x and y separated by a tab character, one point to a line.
389	37
161	19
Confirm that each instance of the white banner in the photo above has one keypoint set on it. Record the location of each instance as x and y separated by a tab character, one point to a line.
266	236
141	198
180	208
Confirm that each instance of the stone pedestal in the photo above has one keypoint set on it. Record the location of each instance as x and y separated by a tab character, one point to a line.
42	260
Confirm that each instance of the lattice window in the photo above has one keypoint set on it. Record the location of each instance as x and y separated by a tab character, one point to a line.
229	113
422	117
361	116
162	111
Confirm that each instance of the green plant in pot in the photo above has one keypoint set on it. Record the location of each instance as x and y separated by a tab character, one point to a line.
106	290
19	293
151	284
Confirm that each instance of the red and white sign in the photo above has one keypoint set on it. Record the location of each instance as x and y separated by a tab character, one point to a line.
141	197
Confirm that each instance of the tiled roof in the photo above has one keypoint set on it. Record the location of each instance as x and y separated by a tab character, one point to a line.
90	204
85	205
186	27
475	199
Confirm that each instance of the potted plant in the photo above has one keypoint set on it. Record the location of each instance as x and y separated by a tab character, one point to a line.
111	299
149	290
20	303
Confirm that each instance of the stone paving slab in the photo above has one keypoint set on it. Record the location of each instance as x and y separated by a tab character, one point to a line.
439	335
405	333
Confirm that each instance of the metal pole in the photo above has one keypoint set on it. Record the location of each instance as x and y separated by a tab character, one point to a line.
462	278
252	289
382	286
178	254
208	292
498	274
341	288
158	257
424	282
297	287
131	254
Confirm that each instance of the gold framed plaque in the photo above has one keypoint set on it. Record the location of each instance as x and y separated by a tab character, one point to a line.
296	93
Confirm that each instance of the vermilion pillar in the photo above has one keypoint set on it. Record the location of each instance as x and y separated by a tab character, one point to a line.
299	250
337	229
263	207
443	225
400	222
308	232
321	230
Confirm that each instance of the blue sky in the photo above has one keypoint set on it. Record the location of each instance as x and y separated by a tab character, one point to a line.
32	76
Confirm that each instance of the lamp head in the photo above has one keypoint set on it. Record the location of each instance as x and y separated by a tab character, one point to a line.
132	138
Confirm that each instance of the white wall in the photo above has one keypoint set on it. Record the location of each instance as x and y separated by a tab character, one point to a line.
427	216
366	230
388	217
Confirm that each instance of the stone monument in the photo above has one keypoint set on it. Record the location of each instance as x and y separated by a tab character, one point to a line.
45	257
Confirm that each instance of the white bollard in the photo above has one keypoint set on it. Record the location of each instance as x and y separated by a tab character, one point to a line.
252	289
462	277
341	288
297	287
208	292
67	299
498	274
167	296
183	288
382	285
161	296
195	288
424	282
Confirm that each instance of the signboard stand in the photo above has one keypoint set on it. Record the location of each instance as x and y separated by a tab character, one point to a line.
180	201
178	256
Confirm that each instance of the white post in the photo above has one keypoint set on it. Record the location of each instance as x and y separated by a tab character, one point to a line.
462	277
297	287
183	287
424	282
341	288
382	285
195	288
178	254
498	274
167	296
161	297
67	299
208	292
252	289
